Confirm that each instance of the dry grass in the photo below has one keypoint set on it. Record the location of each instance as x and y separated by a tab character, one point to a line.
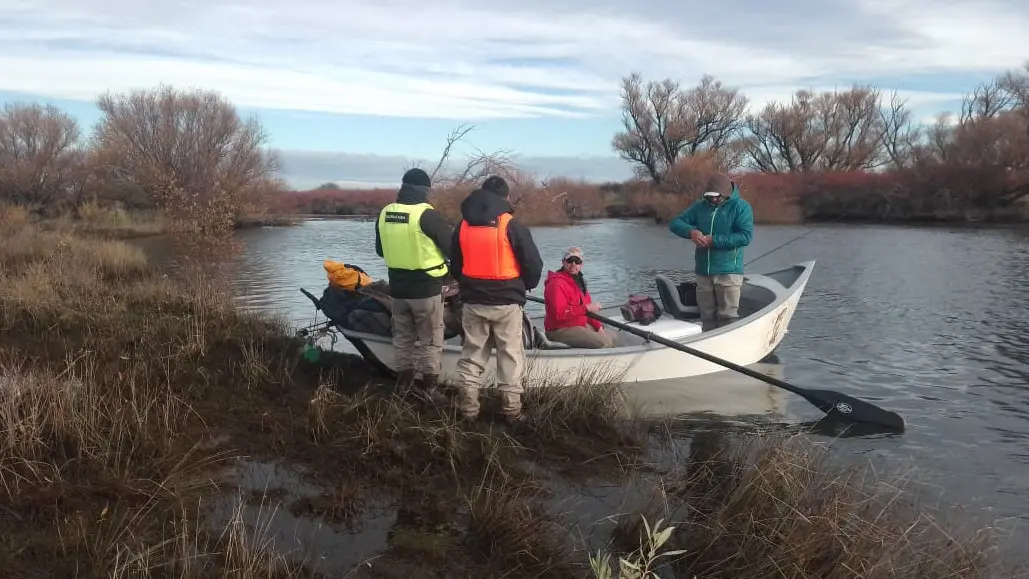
96	220
117	383
570	415
514	535
776	507
106	368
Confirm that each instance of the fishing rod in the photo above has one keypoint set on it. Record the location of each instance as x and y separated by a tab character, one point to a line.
777	248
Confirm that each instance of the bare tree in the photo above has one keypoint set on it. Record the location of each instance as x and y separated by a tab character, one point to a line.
937	142
190	150
475	166
833	131
783	137
1016	83
900	136
664	123
38	154
640	143
853	131
986	101
712	116
453	138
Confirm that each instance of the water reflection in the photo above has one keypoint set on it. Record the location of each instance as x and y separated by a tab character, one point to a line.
929	322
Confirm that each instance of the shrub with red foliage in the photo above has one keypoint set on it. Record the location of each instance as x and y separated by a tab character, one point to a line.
774	197
558	202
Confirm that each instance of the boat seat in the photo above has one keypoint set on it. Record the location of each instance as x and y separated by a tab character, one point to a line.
534	339
671	302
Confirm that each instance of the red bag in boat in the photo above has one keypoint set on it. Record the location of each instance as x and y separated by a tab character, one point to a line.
641	309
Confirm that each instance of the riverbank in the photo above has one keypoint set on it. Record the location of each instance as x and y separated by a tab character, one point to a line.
150	427
954	195
93	220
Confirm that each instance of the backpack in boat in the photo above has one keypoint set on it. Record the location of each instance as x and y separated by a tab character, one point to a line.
641	309
345	276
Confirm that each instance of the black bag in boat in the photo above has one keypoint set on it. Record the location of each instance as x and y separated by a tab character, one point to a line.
356	311
369	309
687	293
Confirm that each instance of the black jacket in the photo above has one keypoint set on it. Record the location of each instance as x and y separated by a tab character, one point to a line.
412	285
482	208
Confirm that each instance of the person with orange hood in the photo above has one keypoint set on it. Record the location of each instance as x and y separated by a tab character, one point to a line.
567	301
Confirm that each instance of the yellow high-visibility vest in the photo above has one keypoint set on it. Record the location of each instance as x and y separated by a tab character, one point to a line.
404	244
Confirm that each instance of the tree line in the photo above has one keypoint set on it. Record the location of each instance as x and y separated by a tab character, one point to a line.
845	154
188	153
977	157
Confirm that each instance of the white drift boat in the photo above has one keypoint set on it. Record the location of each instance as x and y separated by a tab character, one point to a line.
767	304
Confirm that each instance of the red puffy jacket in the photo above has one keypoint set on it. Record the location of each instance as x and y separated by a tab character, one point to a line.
566	302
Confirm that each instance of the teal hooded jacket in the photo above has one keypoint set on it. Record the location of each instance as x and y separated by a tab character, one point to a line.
731	227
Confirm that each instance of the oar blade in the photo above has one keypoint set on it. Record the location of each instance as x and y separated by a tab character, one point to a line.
842	407
835	405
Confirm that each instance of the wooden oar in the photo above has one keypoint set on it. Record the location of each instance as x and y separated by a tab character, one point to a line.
834	404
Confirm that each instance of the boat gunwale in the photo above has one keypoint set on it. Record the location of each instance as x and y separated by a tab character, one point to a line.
782	294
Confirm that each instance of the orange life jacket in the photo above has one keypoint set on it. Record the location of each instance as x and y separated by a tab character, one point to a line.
486	251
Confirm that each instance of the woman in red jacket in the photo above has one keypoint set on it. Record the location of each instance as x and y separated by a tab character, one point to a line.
567	301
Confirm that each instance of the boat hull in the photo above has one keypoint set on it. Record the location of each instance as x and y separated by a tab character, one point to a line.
745	342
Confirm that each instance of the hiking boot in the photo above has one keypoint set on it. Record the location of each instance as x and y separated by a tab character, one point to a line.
468	401
405	378
428	391
513	419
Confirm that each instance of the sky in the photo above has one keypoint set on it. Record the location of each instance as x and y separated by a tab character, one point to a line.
354	91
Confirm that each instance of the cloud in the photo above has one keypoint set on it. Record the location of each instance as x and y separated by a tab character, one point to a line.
458	59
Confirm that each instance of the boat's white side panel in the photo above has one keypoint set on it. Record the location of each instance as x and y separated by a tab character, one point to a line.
746	345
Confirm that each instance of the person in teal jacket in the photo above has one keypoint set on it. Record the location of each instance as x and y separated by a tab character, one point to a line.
720	225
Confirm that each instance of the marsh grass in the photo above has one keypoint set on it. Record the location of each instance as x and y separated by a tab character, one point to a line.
584	415
514	534
125	392
108	372
776	507
91	219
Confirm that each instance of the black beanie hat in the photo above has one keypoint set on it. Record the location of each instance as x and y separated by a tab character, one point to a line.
417	177
496	184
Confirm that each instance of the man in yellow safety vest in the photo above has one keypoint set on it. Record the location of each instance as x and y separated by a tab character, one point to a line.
414	239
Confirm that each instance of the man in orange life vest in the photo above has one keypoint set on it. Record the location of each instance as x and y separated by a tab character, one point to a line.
495	261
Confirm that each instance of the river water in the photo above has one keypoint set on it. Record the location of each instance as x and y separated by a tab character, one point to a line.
932	323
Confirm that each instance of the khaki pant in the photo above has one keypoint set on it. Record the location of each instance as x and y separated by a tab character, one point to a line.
418	334
582	337
718	297
486	327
